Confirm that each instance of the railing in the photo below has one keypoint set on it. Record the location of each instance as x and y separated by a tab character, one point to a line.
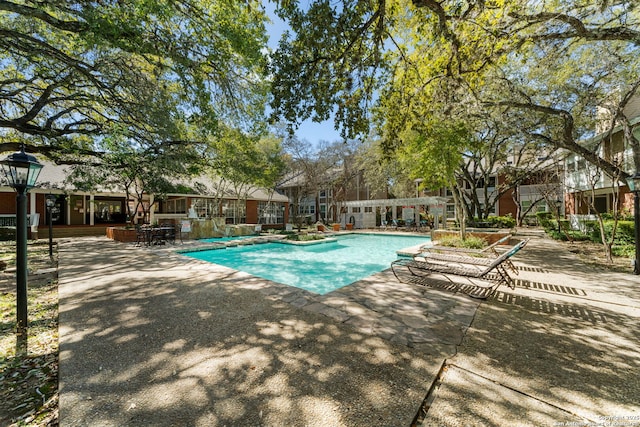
9	220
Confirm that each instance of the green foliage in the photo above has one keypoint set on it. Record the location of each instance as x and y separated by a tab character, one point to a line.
471	242
327	64
433	151
544	219
492	221
297	237
164	74
627	251
567	235
539	68
624	232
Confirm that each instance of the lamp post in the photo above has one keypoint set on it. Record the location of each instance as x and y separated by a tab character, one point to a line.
558	204
51	202
634	186
22	171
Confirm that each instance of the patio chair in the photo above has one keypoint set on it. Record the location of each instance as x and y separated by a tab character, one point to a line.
141	236
472	256
492	271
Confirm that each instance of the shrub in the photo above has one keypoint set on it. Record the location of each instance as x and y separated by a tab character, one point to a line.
471	242
573	235
624	232
303	237
544	219
502	221
628	251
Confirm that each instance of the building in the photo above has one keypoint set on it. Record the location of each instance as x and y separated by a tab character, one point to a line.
589	190
94	211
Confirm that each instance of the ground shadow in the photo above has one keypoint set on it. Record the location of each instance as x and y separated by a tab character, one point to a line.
147	339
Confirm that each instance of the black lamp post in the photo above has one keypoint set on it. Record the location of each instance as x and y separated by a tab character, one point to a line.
21	170
51	202
634	186
558	205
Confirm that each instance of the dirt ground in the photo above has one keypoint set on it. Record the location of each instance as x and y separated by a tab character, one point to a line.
593	254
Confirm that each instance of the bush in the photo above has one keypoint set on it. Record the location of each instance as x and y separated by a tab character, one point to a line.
471	242
493	222
573	235
624	232
628	251
502	221
544	219
303	237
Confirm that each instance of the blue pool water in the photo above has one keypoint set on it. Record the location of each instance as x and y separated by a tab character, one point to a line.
319	268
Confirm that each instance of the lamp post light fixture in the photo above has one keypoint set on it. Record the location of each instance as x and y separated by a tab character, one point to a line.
50	202
21	170
634	186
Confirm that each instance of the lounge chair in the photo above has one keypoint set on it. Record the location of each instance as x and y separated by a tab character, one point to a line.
492	271
473	256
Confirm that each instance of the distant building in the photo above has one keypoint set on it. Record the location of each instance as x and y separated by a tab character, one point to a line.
109	206
580	176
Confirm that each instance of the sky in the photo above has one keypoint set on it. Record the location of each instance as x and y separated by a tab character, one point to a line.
311	131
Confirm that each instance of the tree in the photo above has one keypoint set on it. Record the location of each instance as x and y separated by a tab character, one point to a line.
303	176
551	63
138	172
238	162
338	163
166	72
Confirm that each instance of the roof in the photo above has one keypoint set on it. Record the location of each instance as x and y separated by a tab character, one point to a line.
52	176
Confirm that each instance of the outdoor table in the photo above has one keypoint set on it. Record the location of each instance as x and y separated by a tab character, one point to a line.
158	235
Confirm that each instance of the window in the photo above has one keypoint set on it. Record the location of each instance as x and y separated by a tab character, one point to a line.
451	211
202	207
355	209
234	211
582	164
176	206
600	204
306	209
108	211
273	213
368	209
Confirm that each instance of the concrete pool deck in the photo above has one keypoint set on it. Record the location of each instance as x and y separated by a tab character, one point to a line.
150	337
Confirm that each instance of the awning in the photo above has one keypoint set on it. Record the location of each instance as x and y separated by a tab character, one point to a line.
430	201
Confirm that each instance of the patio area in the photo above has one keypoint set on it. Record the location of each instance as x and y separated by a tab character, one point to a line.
151	337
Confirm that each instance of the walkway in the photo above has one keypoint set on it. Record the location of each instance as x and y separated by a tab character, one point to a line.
149	337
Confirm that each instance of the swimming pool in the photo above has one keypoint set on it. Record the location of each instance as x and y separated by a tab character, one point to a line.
319	268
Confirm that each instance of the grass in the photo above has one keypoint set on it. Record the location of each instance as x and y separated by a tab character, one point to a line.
29	392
